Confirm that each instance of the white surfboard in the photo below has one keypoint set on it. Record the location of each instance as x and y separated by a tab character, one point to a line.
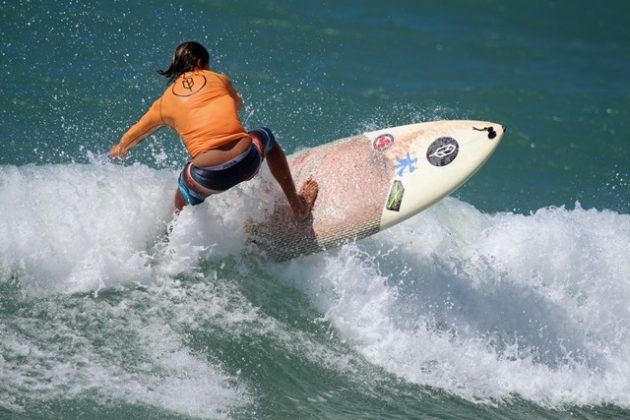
372	181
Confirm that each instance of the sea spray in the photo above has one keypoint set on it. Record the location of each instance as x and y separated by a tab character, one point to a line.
487	306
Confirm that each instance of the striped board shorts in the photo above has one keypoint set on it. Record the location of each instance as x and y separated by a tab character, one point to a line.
196	184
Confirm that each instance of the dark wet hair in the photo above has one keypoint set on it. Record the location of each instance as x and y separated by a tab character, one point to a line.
186	58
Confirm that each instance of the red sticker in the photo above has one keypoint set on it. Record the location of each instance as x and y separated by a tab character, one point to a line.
383	142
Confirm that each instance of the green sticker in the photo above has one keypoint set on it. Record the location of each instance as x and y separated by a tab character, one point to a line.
395	196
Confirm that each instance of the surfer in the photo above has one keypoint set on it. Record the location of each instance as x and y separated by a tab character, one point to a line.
202	107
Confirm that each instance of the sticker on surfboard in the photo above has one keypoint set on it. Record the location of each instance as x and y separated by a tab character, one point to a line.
394	200
407	163
442	151
383	142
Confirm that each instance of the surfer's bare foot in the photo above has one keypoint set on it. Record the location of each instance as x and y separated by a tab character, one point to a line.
305	200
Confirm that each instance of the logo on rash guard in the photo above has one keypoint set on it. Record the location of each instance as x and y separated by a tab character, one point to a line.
189	84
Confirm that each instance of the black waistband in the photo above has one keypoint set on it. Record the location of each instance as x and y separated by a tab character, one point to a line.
224	179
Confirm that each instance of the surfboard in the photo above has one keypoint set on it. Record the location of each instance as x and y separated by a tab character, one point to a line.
374	180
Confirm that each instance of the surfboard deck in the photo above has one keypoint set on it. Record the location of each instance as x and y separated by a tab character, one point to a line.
374	180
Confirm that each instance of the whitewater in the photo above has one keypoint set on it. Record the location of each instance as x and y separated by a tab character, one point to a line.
101	287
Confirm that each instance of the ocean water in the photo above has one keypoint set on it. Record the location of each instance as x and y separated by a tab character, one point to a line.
508	299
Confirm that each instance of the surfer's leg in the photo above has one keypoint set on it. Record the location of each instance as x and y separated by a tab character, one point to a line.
180	201
189	190
301	203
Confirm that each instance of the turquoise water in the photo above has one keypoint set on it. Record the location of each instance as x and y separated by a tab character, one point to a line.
506	300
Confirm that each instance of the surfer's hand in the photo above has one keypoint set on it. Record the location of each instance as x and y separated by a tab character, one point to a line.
118	151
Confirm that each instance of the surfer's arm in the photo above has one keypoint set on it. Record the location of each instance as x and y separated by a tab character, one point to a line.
149	122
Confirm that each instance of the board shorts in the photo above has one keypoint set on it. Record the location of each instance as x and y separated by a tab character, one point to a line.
196	184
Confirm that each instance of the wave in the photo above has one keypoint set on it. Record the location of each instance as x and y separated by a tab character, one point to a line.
78	228
487	306
484	306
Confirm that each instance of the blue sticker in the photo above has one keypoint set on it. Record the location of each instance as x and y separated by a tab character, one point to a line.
406	163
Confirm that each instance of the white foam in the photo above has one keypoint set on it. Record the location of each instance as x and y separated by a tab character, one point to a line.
485	306
488	306
76	228
115	352
68	229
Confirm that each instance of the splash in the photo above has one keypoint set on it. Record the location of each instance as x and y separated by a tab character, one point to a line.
484	306
86	228
487	307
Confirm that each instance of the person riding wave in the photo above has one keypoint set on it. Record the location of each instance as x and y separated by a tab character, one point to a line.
202	107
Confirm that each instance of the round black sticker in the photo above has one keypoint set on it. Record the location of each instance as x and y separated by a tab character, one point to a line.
442	151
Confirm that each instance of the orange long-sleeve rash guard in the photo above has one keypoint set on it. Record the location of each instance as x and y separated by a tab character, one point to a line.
202	106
